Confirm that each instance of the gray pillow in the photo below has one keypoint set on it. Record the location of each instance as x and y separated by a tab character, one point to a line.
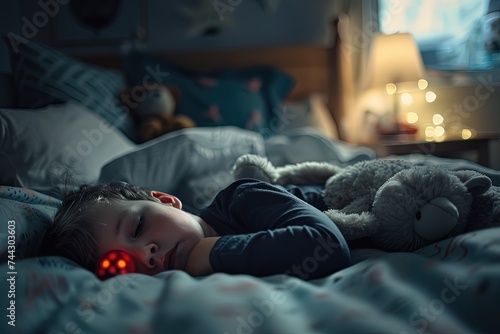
192	164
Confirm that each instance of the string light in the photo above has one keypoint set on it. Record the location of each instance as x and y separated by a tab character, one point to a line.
406	99
429	132
437	119
466	134
391	88
422	84
412	117
439	131
430	97
435	133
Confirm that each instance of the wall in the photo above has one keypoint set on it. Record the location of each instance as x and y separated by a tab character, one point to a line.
293	22
9	21
468	99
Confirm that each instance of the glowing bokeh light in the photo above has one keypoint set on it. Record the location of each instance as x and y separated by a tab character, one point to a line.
412	117
406	99
430	97
429	131
466	134
105	264
121	264
437	119
391	88
439	131
422	84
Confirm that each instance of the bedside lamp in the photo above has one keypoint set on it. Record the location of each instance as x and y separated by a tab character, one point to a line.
395	64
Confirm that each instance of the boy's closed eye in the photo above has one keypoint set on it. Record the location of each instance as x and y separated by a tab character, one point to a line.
139	227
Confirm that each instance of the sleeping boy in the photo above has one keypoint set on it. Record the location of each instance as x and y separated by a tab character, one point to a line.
251	227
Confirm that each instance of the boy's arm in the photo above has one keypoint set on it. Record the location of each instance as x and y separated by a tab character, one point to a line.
198	263
265	230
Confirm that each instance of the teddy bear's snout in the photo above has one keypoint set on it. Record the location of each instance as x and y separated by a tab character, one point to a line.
436	218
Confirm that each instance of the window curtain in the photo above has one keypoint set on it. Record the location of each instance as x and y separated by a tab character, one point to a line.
355	28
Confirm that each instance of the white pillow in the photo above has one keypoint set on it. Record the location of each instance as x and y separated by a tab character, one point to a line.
37	146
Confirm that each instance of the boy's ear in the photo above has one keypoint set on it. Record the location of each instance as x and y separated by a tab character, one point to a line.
167	199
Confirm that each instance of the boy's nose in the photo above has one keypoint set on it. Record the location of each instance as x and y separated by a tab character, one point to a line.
151	256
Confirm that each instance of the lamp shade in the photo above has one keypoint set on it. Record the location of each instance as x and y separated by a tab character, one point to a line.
394	59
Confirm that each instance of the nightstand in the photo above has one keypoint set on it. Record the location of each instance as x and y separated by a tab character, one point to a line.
475	149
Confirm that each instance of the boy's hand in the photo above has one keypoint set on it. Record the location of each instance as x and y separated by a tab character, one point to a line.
198	263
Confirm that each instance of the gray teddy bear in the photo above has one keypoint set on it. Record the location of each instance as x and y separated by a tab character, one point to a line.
394	204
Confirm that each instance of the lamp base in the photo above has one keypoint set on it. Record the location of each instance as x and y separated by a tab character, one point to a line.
402	132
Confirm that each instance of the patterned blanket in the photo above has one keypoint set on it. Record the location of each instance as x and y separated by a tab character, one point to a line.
448	287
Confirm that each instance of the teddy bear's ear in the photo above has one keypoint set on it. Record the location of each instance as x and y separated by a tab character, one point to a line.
176	93
475	182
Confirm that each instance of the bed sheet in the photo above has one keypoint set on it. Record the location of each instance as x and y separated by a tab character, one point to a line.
448	287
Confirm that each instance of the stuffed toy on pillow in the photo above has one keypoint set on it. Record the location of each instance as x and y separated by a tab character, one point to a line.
393	204
153	110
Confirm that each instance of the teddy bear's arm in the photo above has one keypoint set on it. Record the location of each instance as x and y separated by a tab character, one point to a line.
354	226
255	167
312	172
258	167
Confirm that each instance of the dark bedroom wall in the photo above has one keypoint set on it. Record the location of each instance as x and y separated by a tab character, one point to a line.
9	21
293	22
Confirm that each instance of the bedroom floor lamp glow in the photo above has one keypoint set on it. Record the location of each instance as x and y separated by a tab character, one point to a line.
395	63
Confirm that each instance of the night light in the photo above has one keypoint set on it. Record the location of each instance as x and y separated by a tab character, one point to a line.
115	262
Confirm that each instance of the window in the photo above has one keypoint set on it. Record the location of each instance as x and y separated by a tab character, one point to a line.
451	34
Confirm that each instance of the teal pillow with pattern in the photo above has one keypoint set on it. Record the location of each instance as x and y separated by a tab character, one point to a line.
249	98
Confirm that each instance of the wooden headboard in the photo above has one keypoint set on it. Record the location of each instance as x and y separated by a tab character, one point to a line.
314	68
308	65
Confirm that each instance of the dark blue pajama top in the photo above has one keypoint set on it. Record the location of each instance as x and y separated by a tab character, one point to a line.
267	230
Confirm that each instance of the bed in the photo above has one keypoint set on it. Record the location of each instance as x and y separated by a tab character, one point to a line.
451	286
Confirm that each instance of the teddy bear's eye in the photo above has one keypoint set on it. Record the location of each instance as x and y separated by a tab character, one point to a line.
418	215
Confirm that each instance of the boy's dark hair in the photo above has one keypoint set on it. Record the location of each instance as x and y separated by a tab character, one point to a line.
71	234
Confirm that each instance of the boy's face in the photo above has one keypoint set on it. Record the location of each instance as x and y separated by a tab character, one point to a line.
158	235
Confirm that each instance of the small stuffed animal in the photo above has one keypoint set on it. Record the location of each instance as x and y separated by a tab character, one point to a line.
154	112
395	205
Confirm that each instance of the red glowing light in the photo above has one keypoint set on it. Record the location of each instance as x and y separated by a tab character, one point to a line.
113	263
105	264
121	263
